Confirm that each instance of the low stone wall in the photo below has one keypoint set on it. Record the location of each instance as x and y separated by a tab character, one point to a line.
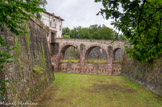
116	69
30	72
90	68
147	75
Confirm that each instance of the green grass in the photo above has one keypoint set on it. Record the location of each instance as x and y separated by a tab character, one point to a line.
79	90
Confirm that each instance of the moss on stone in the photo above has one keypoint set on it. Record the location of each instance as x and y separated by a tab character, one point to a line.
27	37
87	61
82	45
18	47
38	69
18	53
68	61
95	61
43	56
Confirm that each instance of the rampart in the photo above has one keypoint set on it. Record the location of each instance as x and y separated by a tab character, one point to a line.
30	72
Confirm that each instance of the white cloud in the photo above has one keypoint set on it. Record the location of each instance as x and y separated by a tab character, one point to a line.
77	12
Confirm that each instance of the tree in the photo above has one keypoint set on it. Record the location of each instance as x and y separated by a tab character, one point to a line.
66	31
73	33
40	2
92	32
66	36
84	32
106	33
141	23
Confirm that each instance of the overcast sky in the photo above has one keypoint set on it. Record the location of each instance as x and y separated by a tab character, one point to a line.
77	12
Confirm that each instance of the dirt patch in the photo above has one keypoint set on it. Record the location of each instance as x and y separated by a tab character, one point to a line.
46	96
100	88
101	81
61	100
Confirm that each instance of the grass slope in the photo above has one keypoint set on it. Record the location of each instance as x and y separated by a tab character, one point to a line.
78	90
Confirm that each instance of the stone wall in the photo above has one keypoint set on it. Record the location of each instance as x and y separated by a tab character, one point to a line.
71	53
147	75
30	72
96	53
90	68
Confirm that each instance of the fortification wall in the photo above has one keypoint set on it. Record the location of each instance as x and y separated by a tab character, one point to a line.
148	75
31	71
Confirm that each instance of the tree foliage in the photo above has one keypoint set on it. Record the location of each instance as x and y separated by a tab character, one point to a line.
40	2
93	32
141	23
15	12
66	36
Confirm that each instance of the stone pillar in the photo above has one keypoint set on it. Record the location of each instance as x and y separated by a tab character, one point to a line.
82	58
54	48
110	59
56	56
69	67
55	61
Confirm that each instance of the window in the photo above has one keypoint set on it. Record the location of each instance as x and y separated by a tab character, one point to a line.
60	27
50	23
42	19
53	23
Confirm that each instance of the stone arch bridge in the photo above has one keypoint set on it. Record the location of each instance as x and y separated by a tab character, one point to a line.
114	50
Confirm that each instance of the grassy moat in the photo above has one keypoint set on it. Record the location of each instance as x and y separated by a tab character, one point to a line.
80	90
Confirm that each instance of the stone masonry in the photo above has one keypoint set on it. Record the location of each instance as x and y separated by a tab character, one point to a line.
149	75
31	72
84	47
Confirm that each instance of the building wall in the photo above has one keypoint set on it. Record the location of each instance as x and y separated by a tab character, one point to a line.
46	18
31	72
59	28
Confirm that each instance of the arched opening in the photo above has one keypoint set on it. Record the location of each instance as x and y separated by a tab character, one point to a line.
70	58
70	52
96	53
118	54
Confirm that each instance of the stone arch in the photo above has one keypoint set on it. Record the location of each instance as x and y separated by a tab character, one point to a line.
66	46
118	54
91	47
